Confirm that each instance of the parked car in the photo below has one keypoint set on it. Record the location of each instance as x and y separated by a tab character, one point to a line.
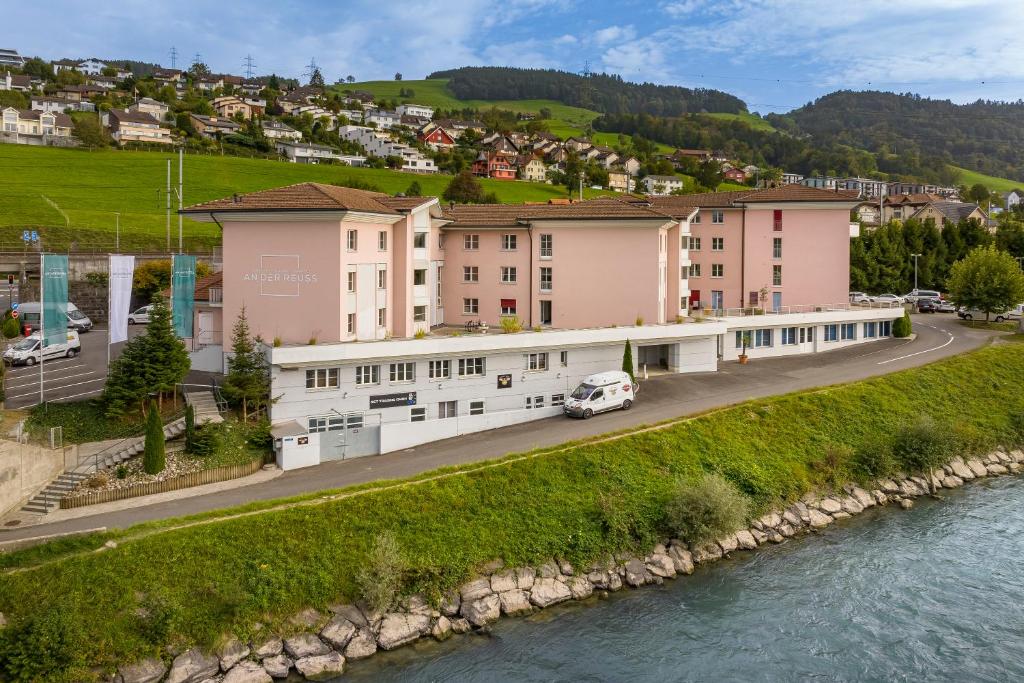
140	316
944	306
27	352
889	298
927	305
921	294
601	392
29	313
860	298
975	314
1017	312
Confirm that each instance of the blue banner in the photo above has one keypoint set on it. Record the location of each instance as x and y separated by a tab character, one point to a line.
54	293
183	293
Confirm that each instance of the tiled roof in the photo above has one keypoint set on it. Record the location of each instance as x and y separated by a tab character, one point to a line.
787	193
952	211
133	117
203	286
514	214
301	197
917	198
405	203
59	119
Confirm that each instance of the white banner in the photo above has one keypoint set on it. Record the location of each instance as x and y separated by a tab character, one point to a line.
122	270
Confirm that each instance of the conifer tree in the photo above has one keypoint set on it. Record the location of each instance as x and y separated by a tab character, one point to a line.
167	357
247	382
153	458
627	360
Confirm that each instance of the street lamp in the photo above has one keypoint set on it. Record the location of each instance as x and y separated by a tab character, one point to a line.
915	270
117	231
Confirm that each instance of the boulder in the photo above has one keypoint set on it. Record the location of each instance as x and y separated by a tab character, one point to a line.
1014	468
775	536
461	625
549	570
504	581
417	604
961	470
863	497
515	602
906	503
952	482
841	515
1017	455
682	561
830	505
192	667
888	486
247	672
149	670
232	653
1004	457
580	588
707	553
547	592
770	521
746	540
321	667
565	567
909	488
474	590
819	519
352	613
492	566
786	530
269	648
442	628
525	577
482	610
362	645
760	536
277	666
997	469
793	519
661	565
880	497
397	629
636	573
728	543
990	459
851	505
450	603
338	632
305	645
977	468
308	618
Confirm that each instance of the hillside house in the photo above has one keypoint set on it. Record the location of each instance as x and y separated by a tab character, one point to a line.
438	138
229	105
415	110
29	127
531	168
275	130
620	181
383	119
494	165
9	57
147	105
735	175
135	126
662	184
213	126
1013	198
92	67
306	153
17	82
698	154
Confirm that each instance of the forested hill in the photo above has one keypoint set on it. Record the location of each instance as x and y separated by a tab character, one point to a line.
983	136
608	94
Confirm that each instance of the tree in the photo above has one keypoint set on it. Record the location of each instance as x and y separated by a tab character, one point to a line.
273	83
199	69
167	354
414	189
154	459
709	175
247	382
464	189
350	79
12	98
978	193
627	360
398	76
902	328
987	280
316	79
91	133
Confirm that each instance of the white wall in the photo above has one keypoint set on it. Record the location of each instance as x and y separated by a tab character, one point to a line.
293	455
776	324
398	436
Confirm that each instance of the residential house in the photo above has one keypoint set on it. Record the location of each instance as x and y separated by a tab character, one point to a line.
9	57
735	175
868	213
631	164
383	119
865	187
361	96
578	144
494	165
79	93
30	127
251	88
57	104
64	65
92	66
589	153
209	83
18	82
147	105
607	158
456	127
317	113
438	138
791	178
699	154
415	110
503	145
620	181
950	213
720	155
257	105
213	126
135	126
414	122
379	144
275	130
353	115
819	182
306	153
233	81
105	82
662	184
229	105
531	168
1013	198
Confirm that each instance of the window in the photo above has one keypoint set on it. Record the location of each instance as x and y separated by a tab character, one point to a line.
557	399
353	240
789	336
351	323
440	369
752	298
717	216
508	242
351	282
762	338
419	276
382	279
367	374
508	274
739	338
545	312
354	421
382	317
684	272
325	423
418	414
776	276
419	240
382	240
810	334
537	361
545	246
777	220
403	372
545	279
419	314
470	274
563	358
684	242
694	244
471	242
470	306
322	378
776	247
696	218
885	328
447	409
538	401
508	306
476	407
870	330
803	334
471	367
717	270
694	270
717	244
831	333
848	331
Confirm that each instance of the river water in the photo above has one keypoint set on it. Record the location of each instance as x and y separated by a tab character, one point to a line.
933	593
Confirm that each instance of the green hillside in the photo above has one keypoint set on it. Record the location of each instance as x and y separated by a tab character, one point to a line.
968	177
73	195
752	120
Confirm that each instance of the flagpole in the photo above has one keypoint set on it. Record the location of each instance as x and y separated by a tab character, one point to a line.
42	320
110	322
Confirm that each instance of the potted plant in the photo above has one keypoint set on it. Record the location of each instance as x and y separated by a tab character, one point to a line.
745	342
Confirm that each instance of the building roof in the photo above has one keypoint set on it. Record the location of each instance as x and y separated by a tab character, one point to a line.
916	198
665	178
311	197
482	215
59	119
216	121
951	211
141	117
21	80
677	204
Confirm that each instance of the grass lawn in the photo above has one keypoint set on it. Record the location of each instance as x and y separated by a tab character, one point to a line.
85	421
752	120
1008	326
71	610
968	178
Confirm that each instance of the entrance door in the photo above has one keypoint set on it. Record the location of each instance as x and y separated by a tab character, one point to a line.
352	436
694	298
205	334
716	299
776	301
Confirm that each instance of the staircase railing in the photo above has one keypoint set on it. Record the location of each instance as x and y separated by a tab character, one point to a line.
95	457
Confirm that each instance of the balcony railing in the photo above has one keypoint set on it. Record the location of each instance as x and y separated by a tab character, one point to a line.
789	310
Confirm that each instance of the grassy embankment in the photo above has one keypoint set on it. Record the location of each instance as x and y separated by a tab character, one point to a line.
968	178
195	581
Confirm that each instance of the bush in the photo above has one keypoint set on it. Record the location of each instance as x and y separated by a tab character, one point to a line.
121	472
923	445
206	441
832	464
154	459
702	511
874	459
510	324
11	328
97	279
902	327
380	578
42	648
627	360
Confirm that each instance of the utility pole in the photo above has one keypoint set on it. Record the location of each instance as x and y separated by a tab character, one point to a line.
250	66
168	206
181	163
117	231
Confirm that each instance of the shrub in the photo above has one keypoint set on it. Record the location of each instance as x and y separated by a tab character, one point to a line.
902	327
11	328
97	480
420	334
874	459
312	341
923	445
832	464
639	322
277	342
121	472
627	360
380	578
702	511
206	441
45	647
97	279
154	459
510	324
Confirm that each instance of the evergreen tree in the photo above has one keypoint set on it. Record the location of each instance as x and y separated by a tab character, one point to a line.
167	355
247	382
627	360
464	189
902	326
414	189
153	457
316	79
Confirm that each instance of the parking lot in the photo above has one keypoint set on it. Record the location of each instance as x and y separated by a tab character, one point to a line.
65	379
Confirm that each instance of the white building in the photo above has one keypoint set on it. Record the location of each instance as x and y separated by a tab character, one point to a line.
662	184
92	66
415	110
306	153
147	105
384	120
10	57
380	144
275	130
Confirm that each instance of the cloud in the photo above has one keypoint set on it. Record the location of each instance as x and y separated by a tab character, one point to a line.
613	34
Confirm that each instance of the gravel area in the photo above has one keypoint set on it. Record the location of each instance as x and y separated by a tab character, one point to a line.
178	463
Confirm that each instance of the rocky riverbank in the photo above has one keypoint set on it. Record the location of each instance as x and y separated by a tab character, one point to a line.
322	643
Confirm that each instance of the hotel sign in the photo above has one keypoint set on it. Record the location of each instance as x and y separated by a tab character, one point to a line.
280	275
393	400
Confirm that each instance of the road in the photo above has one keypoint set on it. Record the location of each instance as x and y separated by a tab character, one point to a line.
661	398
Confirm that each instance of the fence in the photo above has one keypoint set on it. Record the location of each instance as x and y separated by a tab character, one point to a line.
183	482
787	310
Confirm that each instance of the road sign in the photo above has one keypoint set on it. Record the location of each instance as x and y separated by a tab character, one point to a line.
14	305
14	314
26	235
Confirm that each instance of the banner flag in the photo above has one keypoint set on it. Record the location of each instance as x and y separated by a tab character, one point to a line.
122	270
54	298
183	293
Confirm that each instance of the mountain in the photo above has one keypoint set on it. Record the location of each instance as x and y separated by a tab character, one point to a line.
982	136
605	93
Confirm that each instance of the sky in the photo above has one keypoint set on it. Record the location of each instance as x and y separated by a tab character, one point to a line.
775	55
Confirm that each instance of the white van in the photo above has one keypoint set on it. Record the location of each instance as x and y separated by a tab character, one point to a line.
26	352
28	314
601	392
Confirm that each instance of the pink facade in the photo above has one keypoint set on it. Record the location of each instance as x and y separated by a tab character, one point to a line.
485	285
705	255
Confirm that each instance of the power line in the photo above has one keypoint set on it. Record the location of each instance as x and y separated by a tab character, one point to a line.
311	68
250	66
174	57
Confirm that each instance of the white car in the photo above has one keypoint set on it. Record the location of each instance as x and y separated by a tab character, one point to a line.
601	392
921	294
140	316
860	298
889	299
976	314
26	352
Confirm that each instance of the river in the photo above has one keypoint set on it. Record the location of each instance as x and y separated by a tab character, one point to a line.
933	593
